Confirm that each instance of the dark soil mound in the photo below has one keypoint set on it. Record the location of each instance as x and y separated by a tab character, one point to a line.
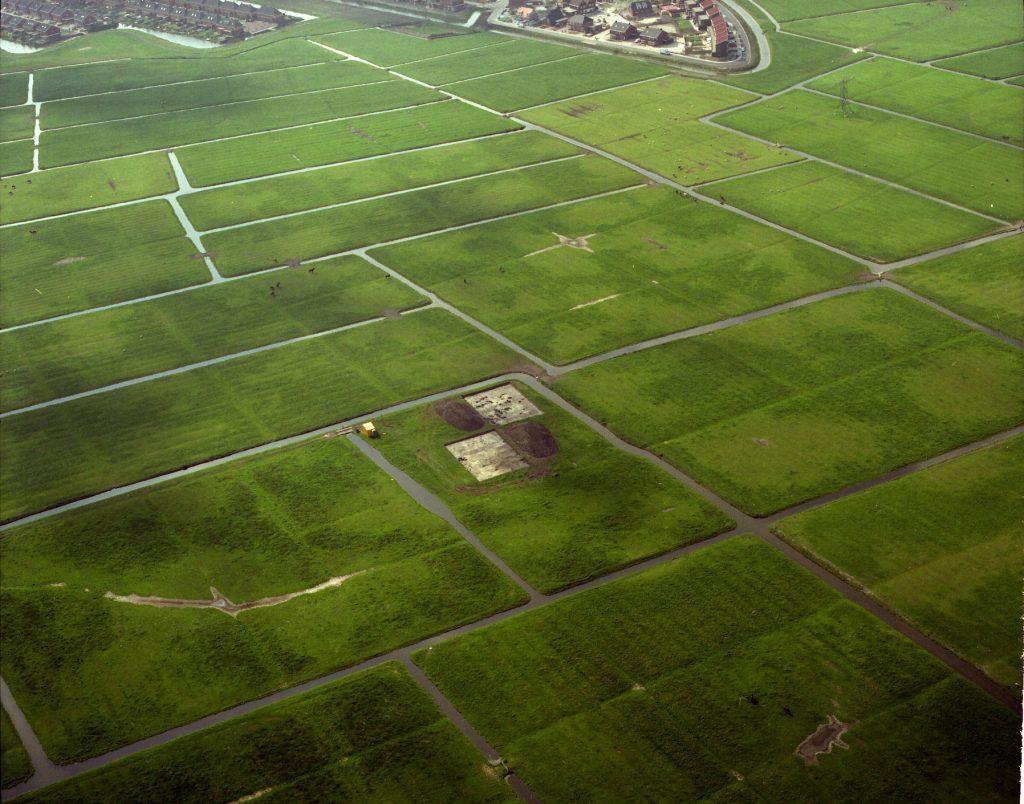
460	415
531	438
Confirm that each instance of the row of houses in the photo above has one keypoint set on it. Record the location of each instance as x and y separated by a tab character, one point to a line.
707	17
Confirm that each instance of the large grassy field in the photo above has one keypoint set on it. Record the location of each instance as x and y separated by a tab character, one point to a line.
983	107
860	215
646	275
207	92
553	81
66	264
700	678
794	59
13	89
985	176
17	123
563	519
943	547
93	672
330	231
790	407
388	48
77	448
118	137
15	766
326	143
1000	62
91	79
296	192
372	737
655	125
79	187
509	55
982	283
921	31
89	351
15	157
797	9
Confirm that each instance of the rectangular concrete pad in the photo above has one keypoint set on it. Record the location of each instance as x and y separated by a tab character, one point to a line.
502	405
486	456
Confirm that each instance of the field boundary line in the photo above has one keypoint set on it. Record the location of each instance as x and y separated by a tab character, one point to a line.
505	72
446	55
588	94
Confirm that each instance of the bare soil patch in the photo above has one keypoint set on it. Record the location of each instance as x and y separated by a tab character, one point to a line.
822	739
460	415
532	439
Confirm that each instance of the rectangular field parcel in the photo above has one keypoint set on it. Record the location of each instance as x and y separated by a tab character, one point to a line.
1000	62
304	518
374	736
943	547
77	354
655	125
649	263
389	48
279	195
330	231
15	157
58	266
577	508
553	81
699	680
864	216
793	406
100	140
324	143
511	55
984	176
794	59
51	456
13	90
17	123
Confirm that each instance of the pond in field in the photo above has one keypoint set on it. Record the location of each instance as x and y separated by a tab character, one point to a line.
178	39
16	47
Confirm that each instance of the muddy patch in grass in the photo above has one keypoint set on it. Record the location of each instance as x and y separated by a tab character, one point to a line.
69	260
460	415
822	739
532	439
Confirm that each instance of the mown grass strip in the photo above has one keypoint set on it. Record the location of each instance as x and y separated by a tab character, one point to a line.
860	215
81	187
347	182
943	547
119	137
13	91
799	404
984	176
73	263
15	157
78	448
207	92
373	135
310	513
17	123
330	231
77	354
700	678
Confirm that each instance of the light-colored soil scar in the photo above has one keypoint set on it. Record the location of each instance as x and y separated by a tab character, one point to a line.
820	741
221	603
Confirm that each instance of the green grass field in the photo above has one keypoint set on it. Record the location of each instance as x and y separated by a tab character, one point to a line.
808	401
120	137
509	55
281	195
13	89
982	283
798	9
15	157
372	737
271	525
1000	62
78	448
71	82
982	107
984	176
553	81
17	123
794	59
326	143
859	215
644	276
76	354
331	231
15	766
582	512
53	192
388	48
655	126
921	31
58	266
698	680
942	547
206	92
